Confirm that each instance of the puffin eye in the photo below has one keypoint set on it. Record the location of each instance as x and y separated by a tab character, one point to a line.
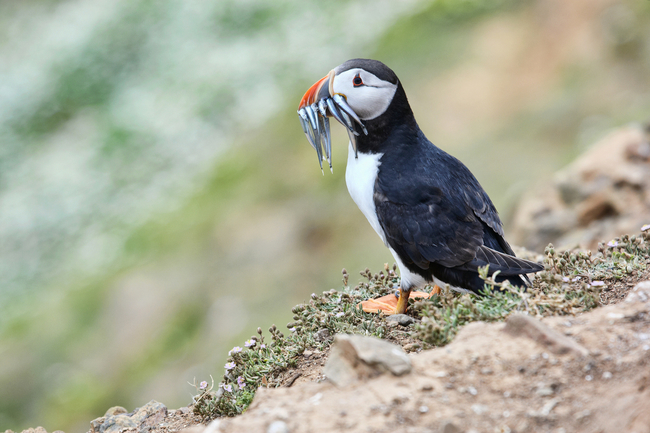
357	81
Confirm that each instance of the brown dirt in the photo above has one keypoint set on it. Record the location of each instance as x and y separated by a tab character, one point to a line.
616	290
485	380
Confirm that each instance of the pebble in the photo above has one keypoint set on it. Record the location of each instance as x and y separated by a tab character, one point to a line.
412	347
401	319
449	427
322	335
479	409
356	357
544	390
278	427
116	410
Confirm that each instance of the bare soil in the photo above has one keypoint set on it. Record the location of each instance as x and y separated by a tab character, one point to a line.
486	380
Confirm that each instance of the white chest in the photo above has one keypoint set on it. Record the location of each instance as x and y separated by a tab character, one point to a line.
360	176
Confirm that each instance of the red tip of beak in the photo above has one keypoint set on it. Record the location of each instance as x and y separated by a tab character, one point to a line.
310	95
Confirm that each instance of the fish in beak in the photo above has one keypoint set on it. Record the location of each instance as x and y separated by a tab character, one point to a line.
316	106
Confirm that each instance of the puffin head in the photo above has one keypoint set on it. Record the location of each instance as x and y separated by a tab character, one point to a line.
356	93
368	87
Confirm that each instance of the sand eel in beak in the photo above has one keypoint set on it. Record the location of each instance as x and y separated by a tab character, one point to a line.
425	205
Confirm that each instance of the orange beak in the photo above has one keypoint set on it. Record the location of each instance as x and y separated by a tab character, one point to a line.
319	90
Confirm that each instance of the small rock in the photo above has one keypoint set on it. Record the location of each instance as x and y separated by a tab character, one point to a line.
480	409
96	424
639	293
194	429
153	412
412	347
355	357
449	427
150	414
115	410
544	390
278	427
521	325
401	319
545	411
322	335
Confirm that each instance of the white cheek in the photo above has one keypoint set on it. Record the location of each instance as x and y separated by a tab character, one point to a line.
371	102
368	101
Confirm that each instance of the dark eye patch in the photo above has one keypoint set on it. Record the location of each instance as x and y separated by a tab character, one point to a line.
357	81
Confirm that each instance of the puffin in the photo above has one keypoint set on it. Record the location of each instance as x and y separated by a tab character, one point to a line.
426	206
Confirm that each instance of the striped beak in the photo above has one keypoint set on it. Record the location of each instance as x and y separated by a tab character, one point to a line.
320	90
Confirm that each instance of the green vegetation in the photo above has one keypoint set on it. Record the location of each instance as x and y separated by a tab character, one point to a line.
570	284
261	362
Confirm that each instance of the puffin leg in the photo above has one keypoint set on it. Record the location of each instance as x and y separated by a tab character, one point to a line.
403	301
436	290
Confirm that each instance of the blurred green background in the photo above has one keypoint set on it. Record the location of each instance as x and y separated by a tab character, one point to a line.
159	202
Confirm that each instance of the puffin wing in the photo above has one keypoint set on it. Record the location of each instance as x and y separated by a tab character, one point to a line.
507	264
440	213
432	230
